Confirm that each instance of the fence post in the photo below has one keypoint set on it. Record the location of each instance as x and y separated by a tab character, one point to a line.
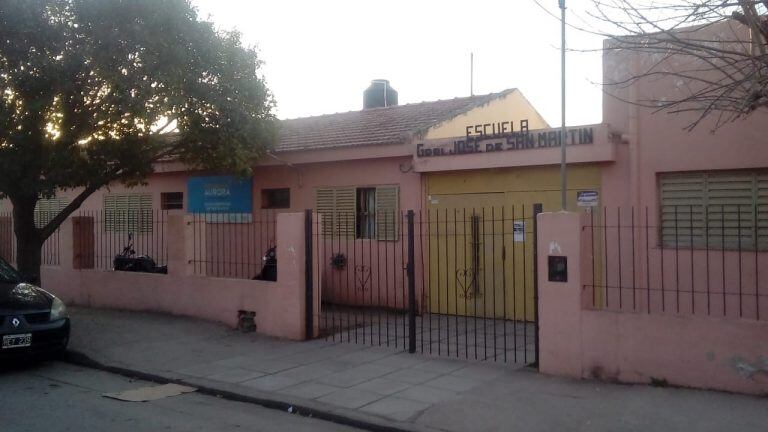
411	288
308	278
537	208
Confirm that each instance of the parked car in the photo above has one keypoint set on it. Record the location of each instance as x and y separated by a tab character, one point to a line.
32	320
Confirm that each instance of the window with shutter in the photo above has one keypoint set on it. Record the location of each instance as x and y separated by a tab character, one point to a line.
46	209
365	212
723	209
128	213
337	208
682	209
761	209
387	212
730	210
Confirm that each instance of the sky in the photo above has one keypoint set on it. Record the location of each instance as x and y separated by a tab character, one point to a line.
319	56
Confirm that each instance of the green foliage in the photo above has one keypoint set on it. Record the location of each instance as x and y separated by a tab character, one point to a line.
82	82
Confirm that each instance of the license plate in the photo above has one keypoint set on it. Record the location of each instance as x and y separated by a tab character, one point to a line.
17	340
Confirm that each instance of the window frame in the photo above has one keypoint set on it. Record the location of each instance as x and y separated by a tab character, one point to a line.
164	201
343	200
141	223
265	200
714	236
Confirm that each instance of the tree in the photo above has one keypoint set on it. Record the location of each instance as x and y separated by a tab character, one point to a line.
715	50
91	88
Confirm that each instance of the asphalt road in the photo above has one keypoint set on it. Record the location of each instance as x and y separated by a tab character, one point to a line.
61	397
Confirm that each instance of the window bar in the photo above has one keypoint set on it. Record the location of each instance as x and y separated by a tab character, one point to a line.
481	250
722	255
693	289
403	236
455	290
370	284
647	264
677	264
618	231
388	311
468	288
594	261
514	286
738	216
525	292
606	282
493	280
706	247
447	291
437	285
347	296
757	243
358	306
427	289
634	263
379	304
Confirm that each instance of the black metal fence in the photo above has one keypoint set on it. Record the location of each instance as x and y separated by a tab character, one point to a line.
99	236
232	245
450	282
50	252
682	260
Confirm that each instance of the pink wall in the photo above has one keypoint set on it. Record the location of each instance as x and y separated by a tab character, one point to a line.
374	275
657	142
279	306
697	351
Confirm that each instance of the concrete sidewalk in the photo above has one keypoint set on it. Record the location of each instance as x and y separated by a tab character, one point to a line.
394	389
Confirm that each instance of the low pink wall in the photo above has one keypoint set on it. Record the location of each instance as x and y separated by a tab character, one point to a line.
279	306
711	353
705	352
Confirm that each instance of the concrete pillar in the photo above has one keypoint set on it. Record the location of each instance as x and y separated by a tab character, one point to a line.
66	245
180	244
559	234
291	269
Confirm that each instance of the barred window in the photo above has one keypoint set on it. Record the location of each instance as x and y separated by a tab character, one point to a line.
718	209
363	213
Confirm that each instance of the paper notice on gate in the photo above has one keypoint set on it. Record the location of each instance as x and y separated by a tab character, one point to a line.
518	230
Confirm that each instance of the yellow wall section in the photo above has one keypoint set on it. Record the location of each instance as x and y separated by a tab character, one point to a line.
512	107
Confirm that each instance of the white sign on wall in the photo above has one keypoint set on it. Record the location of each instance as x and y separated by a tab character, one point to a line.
587	198
518	231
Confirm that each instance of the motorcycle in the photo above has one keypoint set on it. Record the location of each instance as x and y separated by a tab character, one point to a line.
269	269
128	261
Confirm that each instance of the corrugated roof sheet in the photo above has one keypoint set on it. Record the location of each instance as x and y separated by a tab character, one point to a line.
374	126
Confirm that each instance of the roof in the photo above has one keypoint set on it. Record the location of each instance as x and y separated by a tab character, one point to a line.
374	126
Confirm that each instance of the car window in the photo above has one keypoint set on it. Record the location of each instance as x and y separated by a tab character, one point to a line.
8	274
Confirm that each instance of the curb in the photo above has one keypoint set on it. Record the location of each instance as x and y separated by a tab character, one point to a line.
80	359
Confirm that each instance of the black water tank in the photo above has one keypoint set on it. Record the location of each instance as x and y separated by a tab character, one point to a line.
379	94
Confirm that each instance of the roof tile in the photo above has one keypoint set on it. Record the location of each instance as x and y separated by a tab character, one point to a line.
373	126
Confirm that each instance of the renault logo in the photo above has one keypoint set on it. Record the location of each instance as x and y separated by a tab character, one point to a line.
15	322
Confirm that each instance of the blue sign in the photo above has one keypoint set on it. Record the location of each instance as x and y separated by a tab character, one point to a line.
220	194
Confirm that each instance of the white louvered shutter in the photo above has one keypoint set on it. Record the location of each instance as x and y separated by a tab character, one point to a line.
387	212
